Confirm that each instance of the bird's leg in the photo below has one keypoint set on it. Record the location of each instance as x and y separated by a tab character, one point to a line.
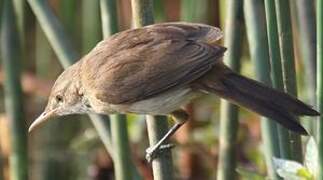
180	117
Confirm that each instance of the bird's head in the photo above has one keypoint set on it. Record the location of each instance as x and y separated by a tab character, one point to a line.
65	97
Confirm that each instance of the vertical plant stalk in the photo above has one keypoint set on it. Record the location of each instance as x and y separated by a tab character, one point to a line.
307	32
123	165
19	9
195	11
188	165
159	11
122	159
186	10
229	117
90	24
157	126
142	12
276	72
319	51
288	64
60	42
11	60
68	10
258	44
109	17
307	43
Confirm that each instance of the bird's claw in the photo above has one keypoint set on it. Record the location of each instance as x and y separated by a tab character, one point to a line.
166	146
150	155
153	151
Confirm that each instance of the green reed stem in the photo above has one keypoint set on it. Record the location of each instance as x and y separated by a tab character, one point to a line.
123	166
307	45
258	43
276	71
11	60
288	64
229	117
319	51
157	126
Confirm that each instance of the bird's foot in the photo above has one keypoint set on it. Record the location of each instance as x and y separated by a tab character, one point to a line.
153	151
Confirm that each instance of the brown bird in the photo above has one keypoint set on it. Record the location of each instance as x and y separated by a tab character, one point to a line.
157	69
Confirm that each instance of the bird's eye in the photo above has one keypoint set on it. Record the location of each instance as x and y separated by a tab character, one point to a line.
59	98
88	105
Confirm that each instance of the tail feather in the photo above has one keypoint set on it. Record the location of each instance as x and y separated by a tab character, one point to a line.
266	101
273	96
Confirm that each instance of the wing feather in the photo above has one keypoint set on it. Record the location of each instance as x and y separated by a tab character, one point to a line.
144	66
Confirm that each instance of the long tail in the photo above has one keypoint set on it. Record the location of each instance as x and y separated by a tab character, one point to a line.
253	95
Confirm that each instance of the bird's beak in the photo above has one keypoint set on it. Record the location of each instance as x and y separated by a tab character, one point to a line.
46	115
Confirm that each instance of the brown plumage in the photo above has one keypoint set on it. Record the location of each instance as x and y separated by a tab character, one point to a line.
158	68
141	63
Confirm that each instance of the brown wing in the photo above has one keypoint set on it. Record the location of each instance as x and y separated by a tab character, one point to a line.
142	63
157	32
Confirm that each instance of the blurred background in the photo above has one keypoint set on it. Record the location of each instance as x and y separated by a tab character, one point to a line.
70	148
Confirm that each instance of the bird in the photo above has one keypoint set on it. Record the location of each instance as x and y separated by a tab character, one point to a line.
156	70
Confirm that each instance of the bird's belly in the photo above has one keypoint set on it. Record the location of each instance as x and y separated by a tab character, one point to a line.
164	103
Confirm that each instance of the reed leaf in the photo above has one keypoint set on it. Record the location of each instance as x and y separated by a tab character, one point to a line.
11	60
288	65
258	44
305	11
276	71
307	40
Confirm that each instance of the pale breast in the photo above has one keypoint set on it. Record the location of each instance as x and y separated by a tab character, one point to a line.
162	104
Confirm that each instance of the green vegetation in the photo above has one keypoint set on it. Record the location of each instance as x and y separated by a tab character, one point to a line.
11	61
258	43
119	129
229	118
276	71
288	65
319	51
221	141
157	126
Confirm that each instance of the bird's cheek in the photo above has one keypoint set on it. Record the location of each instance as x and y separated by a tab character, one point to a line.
60	111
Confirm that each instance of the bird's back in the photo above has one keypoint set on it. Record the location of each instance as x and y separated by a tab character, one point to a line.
141	63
